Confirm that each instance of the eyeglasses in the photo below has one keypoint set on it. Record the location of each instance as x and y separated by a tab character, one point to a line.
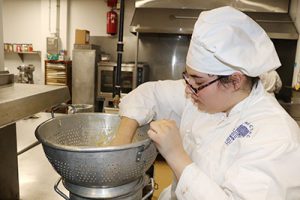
185	76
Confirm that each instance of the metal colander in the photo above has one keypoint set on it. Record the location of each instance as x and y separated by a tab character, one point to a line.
76	146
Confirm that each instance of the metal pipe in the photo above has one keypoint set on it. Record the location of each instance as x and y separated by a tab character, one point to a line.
49	17
57	18
134	81
117	79
28	147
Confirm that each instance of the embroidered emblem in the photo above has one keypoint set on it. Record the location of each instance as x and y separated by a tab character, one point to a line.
244	130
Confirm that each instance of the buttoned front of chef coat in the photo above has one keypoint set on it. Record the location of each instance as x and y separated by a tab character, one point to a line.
251	153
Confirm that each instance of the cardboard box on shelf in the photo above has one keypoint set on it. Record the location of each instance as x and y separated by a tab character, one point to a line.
82	36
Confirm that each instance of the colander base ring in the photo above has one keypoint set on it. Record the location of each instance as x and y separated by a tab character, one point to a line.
119	192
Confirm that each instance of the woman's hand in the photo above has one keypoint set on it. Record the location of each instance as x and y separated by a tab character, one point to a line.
167	138
125	132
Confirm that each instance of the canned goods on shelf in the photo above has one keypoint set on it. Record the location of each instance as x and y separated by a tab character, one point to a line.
24	47
19	49
14	46
10	47
6	47
30	48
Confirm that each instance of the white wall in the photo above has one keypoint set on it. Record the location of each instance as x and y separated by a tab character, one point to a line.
1	39
32	21
50	28
89	15
63	24
22	24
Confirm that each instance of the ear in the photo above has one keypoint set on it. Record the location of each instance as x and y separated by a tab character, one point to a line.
237	80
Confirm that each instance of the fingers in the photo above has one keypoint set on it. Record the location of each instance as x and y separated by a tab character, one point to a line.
152	134
165	136
156	126
160	129
162	125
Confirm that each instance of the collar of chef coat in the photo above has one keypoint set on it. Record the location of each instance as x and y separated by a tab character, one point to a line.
256	93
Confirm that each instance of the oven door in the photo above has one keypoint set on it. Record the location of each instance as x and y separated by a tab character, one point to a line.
105	80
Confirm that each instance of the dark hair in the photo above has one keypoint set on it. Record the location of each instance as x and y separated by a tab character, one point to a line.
252	80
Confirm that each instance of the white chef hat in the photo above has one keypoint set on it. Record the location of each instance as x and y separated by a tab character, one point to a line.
225	41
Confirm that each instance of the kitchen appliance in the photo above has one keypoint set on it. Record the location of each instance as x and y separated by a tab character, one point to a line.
180	16
177	20
6	78
25	74
84	71
52	45
77	146
105	77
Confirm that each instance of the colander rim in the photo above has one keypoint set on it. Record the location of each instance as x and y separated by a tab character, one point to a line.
140	144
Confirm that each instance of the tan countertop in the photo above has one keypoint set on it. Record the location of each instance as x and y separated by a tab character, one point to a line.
18	101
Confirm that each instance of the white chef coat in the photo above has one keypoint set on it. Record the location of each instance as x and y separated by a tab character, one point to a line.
252	153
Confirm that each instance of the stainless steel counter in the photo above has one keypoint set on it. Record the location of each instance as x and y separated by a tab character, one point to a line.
22	100
18	101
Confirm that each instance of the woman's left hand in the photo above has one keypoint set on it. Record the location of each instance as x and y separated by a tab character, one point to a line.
167	138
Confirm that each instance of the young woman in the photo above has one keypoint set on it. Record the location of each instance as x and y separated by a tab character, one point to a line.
220	132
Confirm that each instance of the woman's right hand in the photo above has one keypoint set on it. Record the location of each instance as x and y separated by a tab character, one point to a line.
125	132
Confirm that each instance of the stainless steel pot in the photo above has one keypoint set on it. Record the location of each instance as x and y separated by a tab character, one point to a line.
75	146
81	108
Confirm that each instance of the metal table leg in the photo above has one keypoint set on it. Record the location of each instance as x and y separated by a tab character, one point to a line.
9	181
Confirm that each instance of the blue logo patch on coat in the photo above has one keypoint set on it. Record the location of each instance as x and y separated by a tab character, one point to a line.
244	130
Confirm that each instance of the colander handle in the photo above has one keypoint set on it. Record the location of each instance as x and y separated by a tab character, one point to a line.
151	191
141	150
58	190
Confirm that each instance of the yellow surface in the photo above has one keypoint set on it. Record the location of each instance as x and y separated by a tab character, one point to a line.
162	176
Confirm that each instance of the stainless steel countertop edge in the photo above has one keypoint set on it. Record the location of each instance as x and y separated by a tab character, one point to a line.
18	101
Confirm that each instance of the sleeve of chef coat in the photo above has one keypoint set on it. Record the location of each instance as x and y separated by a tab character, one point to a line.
155	100
268	172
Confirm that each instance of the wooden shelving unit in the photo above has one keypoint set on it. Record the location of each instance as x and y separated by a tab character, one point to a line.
58	73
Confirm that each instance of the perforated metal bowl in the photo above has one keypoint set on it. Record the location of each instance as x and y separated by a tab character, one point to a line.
76	147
